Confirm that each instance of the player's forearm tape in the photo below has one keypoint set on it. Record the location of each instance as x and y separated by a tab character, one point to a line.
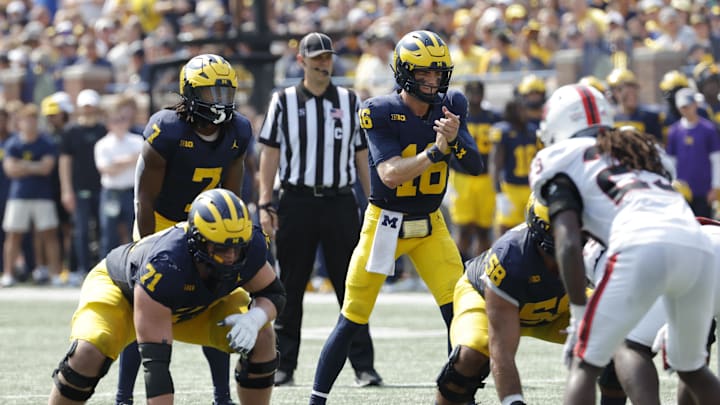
275	292
156	362
514	399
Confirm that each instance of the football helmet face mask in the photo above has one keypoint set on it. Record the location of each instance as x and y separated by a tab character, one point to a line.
422	50
574	111
207	85
538	223
218	222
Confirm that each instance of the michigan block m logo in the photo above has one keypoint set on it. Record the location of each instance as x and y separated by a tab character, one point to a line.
388	221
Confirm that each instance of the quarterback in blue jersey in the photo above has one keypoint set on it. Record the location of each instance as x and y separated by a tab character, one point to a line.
198	144
412	136
188	283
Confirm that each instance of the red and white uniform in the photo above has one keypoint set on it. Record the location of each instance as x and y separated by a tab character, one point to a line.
655	249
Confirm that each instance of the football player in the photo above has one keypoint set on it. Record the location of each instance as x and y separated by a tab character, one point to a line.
472	215
183	283
707	80
612	184
514	144
624	89
511	290
198	144
412	135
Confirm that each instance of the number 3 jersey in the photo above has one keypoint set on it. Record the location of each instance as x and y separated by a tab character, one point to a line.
192	165
162	264
620	207
514	270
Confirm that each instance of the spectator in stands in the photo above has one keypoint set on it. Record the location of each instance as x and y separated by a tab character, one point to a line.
372	78
115	158
676	34
29	161
80	179
694	144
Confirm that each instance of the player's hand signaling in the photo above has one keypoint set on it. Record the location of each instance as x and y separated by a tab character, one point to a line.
244	329
447	127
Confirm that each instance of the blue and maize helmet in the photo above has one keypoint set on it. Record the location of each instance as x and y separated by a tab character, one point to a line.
422	50
538	223
218	221
207	85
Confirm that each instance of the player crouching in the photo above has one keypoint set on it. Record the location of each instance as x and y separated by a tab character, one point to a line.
183	284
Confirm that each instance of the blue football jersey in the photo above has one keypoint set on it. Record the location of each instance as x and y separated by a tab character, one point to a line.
643	119
192	165
514	269
520	148
394	130
162	264
480	126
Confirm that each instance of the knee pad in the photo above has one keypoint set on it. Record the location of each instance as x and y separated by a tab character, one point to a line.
450	380
85	385
244	368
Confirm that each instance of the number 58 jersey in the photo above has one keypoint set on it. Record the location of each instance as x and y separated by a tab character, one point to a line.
620	207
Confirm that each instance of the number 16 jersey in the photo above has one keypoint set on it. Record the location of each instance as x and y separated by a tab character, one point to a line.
620	207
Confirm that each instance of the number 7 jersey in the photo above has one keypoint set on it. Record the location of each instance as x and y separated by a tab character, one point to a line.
621	207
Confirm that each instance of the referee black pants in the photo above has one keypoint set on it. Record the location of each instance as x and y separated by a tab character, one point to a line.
306	221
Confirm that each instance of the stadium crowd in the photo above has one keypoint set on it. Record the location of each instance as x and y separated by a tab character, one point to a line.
69	154
43	40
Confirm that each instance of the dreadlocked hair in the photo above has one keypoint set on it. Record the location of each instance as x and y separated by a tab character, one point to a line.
631	148
181	109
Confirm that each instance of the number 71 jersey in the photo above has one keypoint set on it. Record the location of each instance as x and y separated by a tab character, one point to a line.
620	206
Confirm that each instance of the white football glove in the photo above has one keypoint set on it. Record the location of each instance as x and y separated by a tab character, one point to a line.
576	315
244	329
660	345
503	204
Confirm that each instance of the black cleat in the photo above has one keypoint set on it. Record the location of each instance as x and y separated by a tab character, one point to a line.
284	378
367	378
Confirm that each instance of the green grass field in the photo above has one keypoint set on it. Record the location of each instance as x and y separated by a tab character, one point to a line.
407	329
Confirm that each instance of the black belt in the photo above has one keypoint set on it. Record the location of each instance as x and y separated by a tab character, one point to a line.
318	191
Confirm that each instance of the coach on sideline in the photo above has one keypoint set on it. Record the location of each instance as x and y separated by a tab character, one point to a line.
312	134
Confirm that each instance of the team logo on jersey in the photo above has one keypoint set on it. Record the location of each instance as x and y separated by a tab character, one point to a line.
235	145
389	221
534	279
189	287
398	117
184	143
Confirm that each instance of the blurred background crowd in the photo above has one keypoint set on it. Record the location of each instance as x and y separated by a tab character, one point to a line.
98	67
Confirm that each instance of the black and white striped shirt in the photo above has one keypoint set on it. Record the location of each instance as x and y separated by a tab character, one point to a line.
317	136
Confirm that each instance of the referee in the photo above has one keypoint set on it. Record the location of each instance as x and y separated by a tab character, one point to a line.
312	135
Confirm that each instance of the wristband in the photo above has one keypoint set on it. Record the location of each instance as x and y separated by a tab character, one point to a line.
268	207
514	399
434	154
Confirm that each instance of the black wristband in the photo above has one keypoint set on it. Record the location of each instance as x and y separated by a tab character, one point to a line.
269	207
434	154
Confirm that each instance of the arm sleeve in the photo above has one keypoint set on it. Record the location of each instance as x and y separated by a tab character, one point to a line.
465	150
561	194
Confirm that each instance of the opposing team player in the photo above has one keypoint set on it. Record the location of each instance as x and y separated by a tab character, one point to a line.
179	284
197	145
611	183
512	290
412	135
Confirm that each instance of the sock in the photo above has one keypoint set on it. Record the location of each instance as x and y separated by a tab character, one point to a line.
332	358
447	315
219	363
128	366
